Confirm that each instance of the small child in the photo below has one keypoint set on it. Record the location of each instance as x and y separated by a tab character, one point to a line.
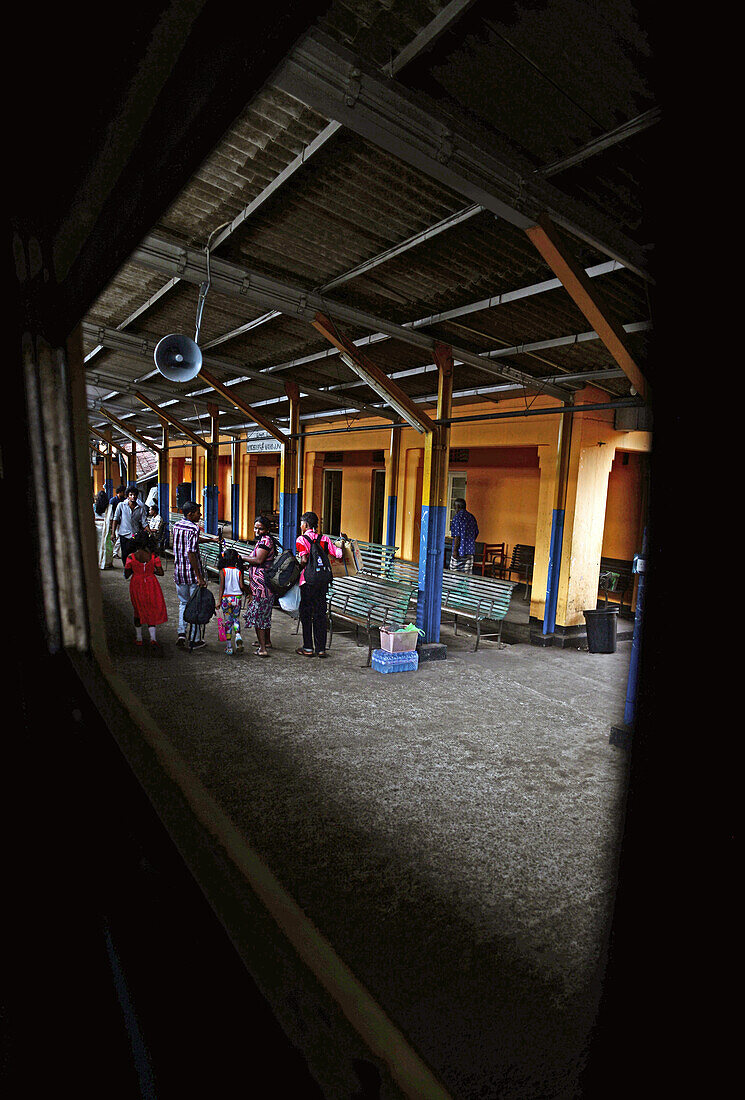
232	589
142	568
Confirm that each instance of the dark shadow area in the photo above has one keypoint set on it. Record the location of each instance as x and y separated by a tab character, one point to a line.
483	999
124	982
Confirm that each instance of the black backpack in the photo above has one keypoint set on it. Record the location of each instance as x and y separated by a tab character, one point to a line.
200	608
283	571
318	575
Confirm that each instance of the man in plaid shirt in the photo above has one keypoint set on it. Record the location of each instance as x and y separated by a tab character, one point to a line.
188	571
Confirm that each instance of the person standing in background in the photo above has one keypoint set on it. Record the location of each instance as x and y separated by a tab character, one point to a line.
188	570
464	530
313	589
129	520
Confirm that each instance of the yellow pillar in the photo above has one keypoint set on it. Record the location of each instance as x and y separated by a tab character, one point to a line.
412	501
586	473
392	462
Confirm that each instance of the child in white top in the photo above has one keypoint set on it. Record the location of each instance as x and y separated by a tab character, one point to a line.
232	589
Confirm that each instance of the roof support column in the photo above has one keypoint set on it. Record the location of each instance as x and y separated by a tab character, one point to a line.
211	489
164	488
435	503
249	504
573	497
392	461
108	478
131	466
556	537
235	488
288	476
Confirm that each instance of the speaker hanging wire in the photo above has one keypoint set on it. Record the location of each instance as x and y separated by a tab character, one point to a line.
204	287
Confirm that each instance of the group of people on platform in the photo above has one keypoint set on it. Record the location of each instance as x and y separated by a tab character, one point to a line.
137	532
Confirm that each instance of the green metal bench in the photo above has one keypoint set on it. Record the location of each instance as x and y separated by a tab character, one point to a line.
370	602
376	557
616	576
463	595
521	563
477	599
401	570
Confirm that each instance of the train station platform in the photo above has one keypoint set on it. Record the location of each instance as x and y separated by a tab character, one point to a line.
453	832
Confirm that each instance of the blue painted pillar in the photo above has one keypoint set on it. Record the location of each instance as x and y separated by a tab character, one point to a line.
563	449
431	565
390	522
288	473
288	520
235	489
434	503
554	564
164	488
132	467
211	492
640	562
391	485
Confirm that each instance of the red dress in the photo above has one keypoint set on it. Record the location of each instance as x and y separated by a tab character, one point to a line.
145	591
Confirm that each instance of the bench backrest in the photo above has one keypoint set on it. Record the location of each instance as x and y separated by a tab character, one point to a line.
386	601
622	568
486	597
400	570
522	556
376	557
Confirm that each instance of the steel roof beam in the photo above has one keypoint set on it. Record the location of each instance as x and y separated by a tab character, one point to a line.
372	375
459	311
173	422
131	433
239	282
586	296
263	421
144	347
335	82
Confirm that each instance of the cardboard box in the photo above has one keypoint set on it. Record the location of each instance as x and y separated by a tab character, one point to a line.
398	641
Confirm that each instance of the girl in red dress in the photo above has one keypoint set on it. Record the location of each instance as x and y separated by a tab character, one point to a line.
143	568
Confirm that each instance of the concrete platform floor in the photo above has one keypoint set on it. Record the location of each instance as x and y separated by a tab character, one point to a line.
453	831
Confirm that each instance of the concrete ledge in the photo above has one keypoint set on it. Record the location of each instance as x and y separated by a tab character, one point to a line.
573	636
432	651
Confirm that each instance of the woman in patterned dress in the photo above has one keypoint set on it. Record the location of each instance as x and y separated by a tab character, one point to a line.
258	613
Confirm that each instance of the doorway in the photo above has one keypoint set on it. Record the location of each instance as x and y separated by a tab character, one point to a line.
331	515
264	496
456	490
377	503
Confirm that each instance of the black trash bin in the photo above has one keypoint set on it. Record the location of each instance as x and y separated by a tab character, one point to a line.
602	629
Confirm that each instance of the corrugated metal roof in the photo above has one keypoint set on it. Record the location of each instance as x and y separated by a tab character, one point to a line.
542	83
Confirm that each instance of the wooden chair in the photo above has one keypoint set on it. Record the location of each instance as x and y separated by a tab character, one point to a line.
494	559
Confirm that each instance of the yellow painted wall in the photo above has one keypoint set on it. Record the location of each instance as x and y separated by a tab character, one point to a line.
511	487
623	519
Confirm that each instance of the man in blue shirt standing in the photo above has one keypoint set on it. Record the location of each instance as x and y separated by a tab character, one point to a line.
464	530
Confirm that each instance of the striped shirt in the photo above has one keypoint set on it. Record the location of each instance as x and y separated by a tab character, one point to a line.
186	538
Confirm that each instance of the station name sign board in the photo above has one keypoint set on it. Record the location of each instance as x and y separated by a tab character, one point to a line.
254	446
